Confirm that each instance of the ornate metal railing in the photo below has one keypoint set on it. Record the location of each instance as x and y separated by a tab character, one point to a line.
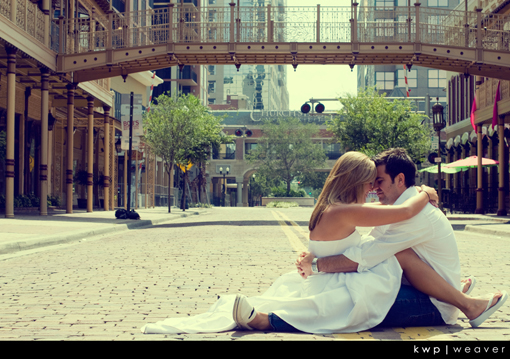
176	24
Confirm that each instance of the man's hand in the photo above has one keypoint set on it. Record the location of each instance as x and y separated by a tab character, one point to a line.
304	264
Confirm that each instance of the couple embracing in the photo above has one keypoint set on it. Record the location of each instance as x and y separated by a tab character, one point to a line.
406	272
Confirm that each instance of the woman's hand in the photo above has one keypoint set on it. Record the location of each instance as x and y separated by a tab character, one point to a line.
434	198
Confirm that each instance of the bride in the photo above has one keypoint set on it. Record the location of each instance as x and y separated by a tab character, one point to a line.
328	302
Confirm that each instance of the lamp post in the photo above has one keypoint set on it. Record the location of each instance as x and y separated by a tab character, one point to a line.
439	123
224	189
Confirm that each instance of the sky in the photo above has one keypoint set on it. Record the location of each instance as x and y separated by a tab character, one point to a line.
319	81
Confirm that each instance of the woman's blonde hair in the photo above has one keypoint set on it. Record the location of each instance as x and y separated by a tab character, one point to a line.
344	183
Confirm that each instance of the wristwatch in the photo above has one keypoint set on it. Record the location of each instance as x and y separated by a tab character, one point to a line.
314	266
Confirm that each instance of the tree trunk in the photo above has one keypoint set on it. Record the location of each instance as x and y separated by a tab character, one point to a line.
183	199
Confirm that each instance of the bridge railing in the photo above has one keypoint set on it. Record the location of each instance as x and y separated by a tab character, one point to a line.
273	24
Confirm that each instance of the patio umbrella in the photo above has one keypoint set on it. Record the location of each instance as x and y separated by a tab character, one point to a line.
471	162
433	169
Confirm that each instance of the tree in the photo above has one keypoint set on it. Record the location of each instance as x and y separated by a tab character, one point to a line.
206	132
370	123
175	127
286	151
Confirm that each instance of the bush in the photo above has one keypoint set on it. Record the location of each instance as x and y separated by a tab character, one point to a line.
282	192
278	204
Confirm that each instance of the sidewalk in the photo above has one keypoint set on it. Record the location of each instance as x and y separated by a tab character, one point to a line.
29	230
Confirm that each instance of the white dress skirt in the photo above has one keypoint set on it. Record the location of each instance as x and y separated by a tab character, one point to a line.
322	304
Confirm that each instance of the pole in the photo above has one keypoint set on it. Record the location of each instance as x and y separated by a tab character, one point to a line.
129	151
439	181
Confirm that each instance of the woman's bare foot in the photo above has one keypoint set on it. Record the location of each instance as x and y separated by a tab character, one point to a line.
260	322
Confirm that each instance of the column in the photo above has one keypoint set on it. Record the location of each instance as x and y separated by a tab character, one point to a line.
502	167
479	188
11	106
106	172
43	169
70	147
90	154
239	193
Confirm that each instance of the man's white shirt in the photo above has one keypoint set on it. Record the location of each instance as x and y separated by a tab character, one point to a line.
429	234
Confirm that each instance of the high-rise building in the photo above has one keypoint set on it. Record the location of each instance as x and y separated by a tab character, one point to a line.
186	79
251	87
391	79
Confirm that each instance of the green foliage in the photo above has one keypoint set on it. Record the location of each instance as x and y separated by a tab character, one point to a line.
277	204
282	192
370	123
286	151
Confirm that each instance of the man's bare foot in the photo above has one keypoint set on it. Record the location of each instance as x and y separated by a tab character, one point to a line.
466	284
478	305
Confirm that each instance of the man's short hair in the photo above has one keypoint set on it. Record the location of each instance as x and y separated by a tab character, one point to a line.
397	161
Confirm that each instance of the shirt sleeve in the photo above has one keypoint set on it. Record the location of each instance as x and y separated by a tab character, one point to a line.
397	237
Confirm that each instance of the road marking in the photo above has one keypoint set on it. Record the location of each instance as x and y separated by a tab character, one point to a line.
294	240
305	234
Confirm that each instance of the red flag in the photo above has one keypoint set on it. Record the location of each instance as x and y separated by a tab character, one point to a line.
495	110
473	109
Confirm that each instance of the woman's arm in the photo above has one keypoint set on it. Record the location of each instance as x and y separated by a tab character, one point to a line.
367	215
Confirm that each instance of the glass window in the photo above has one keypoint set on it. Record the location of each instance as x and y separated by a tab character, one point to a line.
437	78
211	87
385	80
412	78
384	3
385	27
212	69
434	3
403	26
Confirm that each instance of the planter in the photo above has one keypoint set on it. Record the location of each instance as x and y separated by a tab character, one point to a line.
82	203
302	201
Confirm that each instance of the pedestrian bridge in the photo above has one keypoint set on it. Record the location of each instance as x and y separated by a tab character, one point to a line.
118	44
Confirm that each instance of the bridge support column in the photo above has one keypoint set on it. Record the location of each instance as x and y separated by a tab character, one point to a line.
70	147
502	167
90	154
11	123
479	189
43	173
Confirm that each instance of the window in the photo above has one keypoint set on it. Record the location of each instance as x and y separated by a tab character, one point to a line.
434	3
412	78
212	101
211	87
403	26
385	27
384	3
385	80
437	78
211	69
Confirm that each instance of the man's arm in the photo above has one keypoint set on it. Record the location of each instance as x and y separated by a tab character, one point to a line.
331	264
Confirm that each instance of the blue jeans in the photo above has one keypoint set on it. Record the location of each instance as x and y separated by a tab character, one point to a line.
412	308
279	325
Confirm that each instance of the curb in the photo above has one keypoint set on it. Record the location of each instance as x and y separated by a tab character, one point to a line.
50	240
487	231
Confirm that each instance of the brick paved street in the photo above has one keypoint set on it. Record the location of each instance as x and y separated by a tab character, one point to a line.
107	287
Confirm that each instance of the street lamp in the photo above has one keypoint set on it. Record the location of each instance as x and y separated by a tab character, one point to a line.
224	189
439	123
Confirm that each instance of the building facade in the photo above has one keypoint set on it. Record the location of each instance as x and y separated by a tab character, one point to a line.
487	101
57	137
402	80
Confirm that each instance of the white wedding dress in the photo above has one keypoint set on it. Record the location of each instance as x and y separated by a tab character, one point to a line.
323	303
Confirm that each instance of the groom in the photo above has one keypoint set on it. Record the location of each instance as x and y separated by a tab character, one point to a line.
429	234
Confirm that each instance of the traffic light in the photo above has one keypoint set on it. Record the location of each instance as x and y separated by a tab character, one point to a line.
432	156
306	108
320	108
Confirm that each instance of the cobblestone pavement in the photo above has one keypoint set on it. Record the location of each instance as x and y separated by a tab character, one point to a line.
106	287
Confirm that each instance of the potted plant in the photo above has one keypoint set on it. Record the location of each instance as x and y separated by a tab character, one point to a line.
80	178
